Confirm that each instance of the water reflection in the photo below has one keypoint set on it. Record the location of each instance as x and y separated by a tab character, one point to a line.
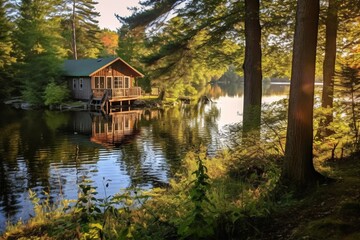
236	89
114	129
55	151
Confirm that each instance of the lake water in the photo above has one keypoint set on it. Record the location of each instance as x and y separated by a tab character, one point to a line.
50	151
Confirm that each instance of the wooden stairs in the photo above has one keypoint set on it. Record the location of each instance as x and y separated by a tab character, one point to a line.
99	103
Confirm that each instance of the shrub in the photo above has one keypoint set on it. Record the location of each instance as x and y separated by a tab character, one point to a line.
55	94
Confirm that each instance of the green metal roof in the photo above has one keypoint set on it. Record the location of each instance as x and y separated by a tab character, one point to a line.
86	67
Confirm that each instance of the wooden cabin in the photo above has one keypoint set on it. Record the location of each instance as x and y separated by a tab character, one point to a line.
103	82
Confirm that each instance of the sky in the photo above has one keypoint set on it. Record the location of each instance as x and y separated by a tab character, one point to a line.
108	8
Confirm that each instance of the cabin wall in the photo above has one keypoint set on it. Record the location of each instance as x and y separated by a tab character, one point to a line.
117	69
80	87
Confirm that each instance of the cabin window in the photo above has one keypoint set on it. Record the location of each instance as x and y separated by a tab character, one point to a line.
99	82
108	82
102	82
81	83
121	83
127	82
74	83
118	82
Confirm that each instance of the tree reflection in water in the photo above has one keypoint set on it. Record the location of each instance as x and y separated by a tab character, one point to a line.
54	151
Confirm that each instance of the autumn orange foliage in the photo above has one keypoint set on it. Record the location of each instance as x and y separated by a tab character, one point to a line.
109	40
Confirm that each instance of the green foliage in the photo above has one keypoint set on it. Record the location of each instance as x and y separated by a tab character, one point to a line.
223	209
331	145
130	45
277	37
131	48
80	21
37	49
143	17
349	85
197	225
204	202
87	203
6	46
185	53
230	76
209	34
5	36
341	136
111	217
55	94
274	119
46	213
273	133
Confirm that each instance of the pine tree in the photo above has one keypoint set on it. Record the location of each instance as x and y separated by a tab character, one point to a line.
201	38
5	52
37	47
128	44
81	28
338	14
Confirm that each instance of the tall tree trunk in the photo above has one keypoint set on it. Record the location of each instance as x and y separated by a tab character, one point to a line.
330	56
252	67
298	166
73	28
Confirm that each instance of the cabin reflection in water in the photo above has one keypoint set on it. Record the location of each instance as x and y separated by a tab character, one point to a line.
115	128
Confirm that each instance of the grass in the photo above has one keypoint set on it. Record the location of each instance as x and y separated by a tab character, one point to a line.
330	212
336	206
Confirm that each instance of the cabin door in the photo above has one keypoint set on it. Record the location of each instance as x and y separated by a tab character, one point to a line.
127	82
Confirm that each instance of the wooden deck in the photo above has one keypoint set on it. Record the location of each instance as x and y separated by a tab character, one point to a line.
107	99
118	93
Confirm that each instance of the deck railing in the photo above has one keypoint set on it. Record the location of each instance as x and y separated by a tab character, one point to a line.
117	92
126	92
